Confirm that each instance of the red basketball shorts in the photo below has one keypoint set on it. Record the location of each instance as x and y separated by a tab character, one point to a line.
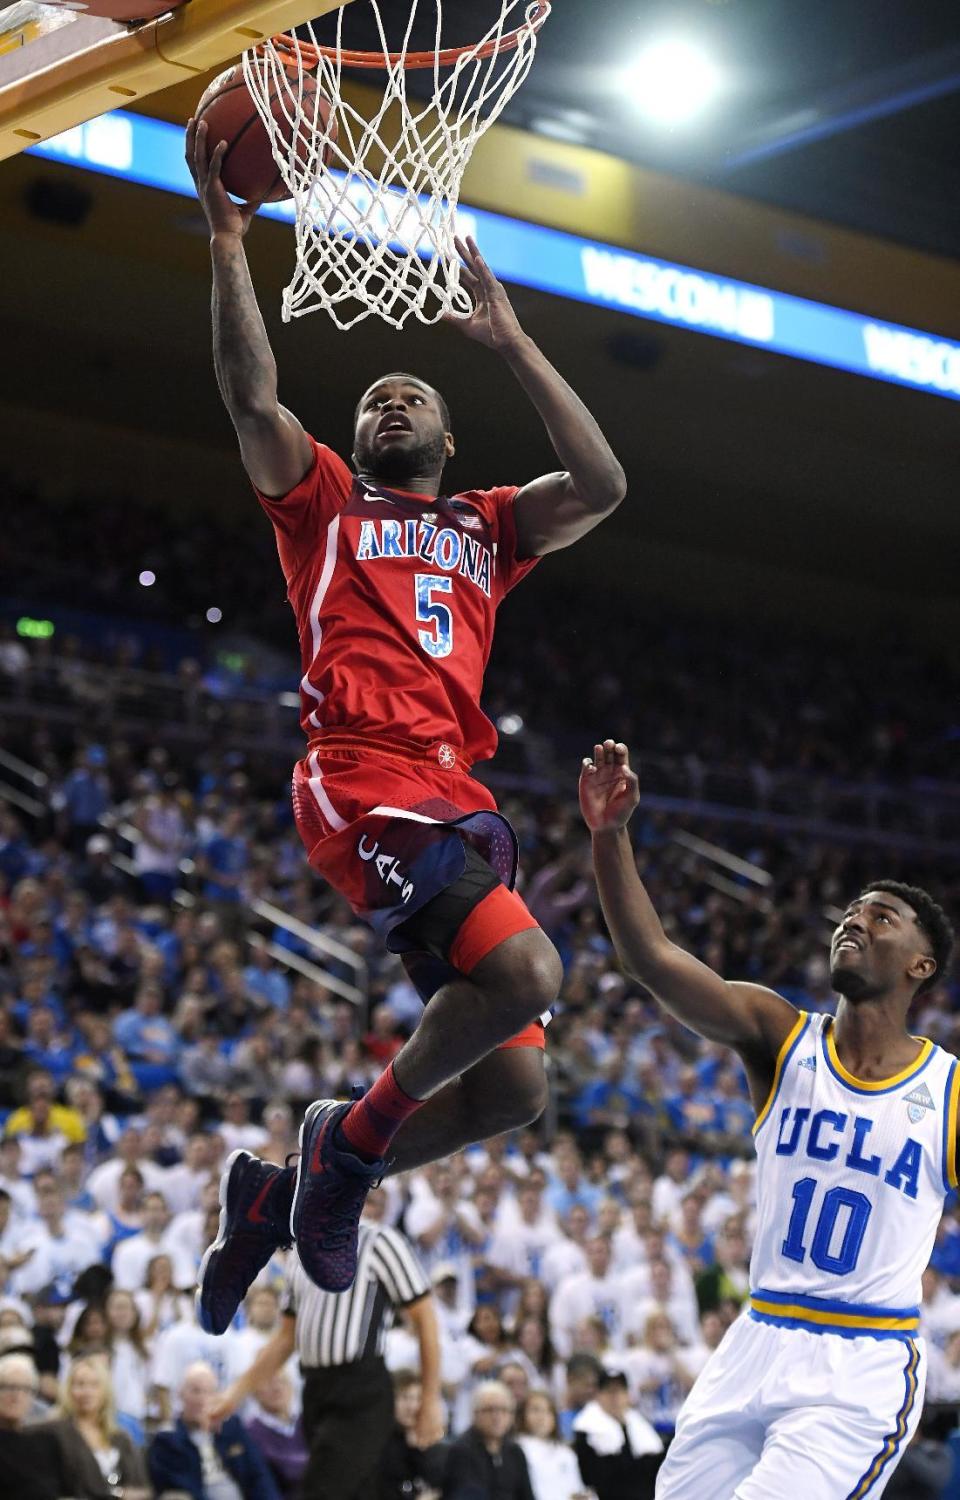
420	851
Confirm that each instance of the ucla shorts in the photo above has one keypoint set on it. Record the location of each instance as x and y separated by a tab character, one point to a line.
783	1414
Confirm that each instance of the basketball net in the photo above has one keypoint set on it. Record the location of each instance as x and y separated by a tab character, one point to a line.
375	199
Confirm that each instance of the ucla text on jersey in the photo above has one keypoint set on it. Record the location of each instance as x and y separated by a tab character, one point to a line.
851	1180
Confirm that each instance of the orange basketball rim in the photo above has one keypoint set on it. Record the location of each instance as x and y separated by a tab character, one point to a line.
310	54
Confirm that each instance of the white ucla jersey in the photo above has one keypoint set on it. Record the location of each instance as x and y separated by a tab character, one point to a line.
851	1178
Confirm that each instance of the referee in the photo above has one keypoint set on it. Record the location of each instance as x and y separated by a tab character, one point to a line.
348	1412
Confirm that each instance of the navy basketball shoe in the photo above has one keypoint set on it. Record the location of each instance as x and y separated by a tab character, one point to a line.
328	1198
254	1222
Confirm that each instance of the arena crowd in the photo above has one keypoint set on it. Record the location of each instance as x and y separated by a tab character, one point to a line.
582	1271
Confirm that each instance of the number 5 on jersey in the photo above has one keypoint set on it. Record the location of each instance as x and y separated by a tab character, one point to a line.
438	640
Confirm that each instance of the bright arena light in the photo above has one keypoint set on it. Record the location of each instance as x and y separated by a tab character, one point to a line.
672	81
214	615
147	578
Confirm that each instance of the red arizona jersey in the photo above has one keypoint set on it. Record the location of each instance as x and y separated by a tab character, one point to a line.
395	596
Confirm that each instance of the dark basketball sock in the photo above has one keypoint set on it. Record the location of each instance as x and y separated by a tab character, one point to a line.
369	1127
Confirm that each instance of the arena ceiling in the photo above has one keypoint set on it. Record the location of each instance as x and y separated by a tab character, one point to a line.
836	108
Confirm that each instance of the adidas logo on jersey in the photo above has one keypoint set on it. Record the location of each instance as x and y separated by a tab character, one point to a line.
918	1101
808	1062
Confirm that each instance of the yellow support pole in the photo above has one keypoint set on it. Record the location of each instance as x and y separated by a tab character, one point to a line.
135	63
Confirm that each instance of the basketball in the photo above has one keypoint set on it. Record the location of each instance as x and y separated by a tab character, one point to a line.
249	170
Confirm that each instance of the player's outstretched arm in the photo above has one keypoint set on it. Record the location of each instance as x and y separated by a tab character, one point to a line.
557	509
753	1020
275	449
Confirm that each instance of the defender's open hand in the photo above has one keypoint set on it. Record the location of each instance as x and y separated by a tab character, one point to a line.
609	790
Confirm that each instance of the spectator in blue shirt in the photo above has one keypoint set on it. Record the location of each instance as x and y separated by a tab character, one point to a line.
46	1046
14	849
608	1102
84	796
946	1248
735	1113
225	859
264	980
689	1239
691	1109
144	1033
570	1187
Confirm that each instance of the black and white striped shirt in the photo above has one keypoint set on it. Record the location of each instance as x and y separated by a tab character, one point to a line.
338	1328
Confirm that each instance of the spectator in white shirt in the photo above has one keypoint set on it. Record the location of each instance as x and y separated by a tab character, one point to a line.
262	1310
63	1244
693	1357
237	1130
537	1213
671	1186
738	1195
158	1301
132	1256
592	1293
668	1292
11	1180
158	850
129	1360
940	1308
103	1184
452	1316
190	1233
176	1350
566	1255
943	1377
518	1247
657	1377
183	1184
443	1228
16	1240
553	1467
630	1235
535	1351
281	1136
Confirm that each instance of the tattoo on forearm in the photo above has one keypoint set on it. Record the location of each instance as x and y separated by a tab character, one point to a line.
242	358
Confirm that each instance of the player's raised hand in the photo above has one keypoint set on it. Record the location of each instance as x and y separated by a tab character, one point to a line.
609	790
493	321
223	215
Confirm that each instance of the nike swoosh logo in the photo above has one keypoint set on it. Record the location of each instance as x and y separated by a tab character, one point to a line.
316	1165
253	1212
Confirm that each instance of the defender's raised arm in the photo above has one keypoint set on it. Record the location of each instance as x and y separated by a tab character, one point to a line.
753	1020
275	449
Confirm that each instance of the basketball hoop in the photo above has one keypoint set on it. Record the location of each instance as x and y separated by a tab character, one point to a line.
375	199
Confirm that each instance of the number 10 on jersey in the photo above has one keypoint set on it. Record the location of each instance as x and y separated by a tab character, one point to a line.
438	640
798	1243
